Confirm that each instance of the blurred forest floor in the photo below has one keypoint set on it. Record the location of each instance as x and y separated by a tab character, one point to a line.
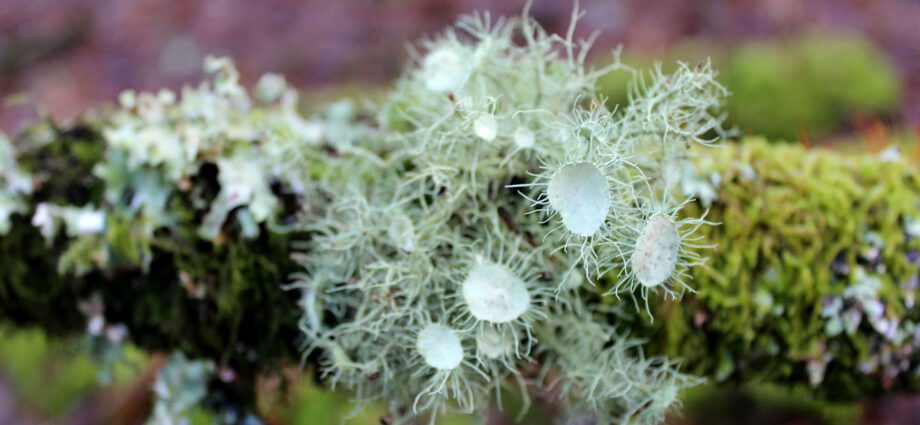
67	55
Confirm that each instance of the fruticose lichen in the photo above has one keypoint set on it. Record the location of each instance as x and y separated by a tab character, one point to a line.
461	234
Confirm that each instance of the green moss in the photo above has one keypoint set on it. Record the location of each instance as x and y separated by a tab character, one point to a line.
757	315
810	85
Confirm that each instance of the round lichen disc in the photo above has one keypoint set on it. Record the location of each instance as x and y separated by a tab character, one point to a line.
495	294
523	138
580	193
656	250
440	347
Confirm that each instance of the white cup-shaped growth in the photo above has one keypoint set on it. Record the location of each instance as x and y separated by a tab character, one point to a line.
655	254
440	347
579	192
495	294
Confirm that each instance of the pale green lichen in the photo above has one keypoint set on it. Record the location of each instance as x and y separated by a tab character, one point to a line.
180	386
15	184
425	230
158	144
172	136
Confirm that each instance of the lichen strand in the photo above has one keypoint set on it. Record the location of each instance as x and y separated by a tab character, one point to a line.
815	278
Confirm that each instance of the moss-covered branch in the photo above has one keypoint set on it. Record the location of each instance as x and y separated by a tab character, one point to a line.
809	242
213	299
437	245
814	277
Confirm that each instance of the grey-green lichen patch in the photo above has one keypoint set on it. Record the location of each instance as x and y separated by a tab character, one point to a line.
158	142
15	185
113	212
180	386
159	147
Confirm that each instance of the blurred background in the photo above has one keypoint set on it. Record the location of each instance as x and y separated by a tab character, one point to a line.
832	73
814	69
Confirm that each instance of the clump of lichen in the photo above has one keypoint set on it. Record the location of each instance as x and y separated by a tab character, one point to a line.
815	276
170	215
180	386
17	185
459	236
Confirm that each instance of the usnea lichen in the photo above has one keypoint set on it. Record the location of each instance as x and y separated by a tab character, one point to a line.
492	179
